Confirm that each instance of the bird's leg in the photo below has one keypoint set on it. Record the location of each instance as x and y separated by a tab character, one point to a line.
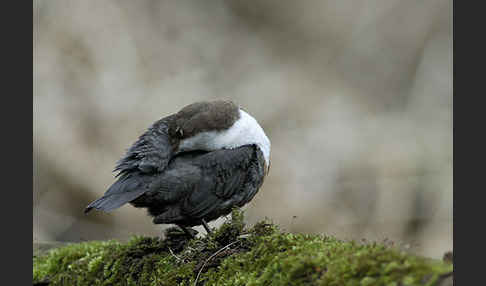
188	232
206	226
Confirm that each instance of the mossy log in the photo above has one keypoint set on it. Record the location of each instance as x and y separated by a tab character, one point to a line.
235	255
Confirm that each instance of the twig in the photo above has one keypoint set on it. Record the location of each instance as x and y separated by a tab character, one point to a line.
210	257
171	252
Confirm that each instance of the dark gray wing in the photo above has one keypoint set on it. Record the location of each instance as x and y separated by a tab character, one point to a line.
158	189
151	152
148	156
229	178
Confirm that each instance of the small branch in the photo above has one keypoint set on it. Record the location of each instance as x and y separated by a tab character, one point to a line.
171	252
210	257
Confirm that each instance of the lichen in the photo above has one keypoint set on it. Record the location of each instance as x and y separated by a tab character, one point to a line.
235	255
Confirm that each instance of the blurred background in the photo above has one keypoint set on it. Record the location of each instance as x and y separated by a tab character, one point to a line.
355	96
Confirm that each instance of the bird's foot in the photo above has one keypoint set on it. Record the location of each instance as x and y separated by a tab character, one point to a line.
189	231
175	232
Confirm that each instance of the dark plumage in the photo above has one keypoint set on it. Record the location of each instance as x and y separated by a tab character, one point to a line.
189	187
195	185
198	185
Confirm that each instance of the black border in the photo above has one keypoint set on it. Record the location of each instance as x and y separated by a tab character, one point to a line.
17	127
468	76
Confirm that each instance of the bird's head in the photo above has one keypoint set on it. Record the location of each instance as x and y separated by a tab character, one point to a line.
217	125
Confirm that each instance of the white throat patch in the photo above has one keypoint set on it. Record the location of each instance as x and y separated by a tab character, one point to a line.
245	130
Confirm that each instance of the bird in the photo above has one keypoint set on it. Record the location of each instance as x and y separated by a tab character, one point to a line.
192	167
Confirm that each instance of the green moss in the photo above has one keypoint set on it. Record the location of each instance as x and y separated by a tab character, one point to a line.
235	255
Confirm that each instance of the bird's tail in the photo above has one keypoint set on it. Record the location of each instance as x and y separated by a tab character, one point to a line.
125	189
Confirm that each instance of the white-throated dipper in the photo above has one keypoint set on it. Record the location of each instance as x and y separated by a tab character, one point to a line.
193	166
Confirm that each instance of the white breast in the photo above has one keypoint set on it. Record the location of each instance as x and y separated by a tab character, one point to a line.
245	130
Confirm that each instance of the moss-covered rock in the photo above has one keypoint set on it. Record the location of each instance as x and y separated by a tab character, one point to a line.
233	255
